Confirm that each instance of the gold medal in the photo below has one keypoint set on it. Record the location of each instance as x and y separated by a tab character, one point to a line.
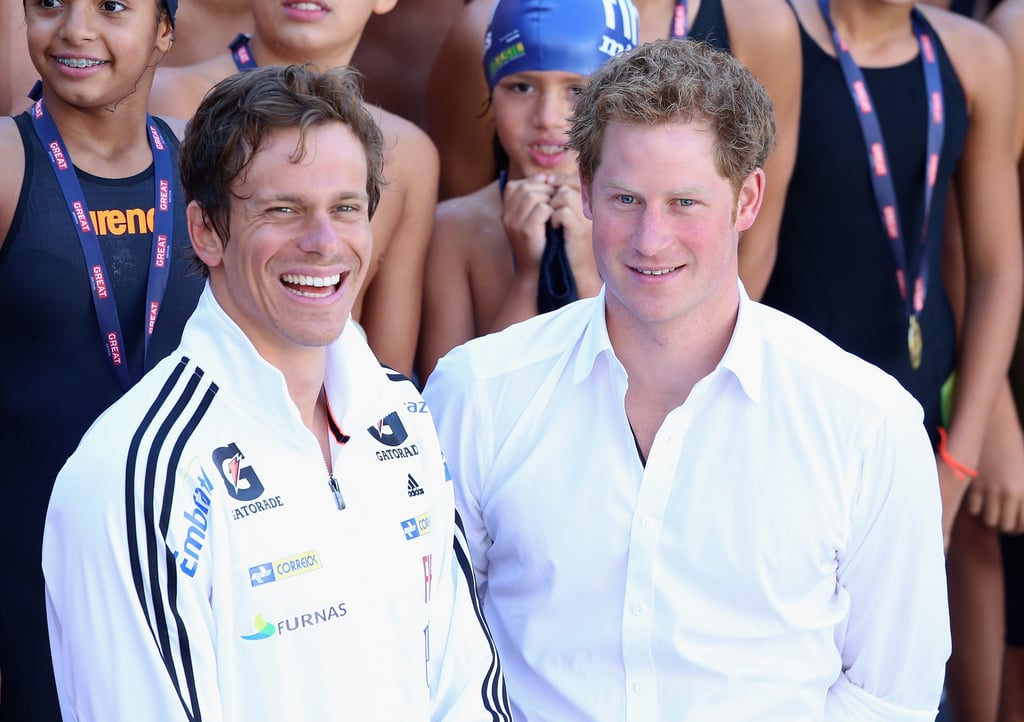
915	344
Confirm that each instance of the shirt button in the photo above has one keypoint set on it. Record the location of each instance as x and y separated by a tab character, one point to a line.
638	688
638	609
647	523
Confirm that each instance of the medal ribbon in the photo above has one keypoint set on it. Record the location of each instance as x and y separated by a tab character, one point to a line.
878	158
679	29
242	54
99	279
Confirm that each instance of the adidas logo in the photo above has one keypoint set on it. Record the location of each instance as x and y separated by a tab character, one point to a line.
414	487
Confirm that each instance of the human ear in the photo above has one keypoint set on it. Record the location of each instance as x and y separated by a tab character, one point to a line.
749	199
206	242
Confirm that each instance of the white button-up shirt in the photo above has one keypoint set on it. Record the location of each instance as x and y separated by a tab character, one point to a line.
779	557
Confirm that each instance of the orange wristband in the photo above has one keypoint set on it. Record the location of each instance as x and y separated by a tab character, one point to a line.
962	471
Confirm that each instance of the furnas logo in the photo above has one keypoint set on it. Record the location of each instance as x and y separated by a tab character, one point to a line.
265	629
198	521
285	568
390	430
239	478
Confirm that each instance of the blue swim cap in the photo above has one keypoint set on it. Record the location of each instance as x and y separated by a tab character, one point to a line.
573	36
172	7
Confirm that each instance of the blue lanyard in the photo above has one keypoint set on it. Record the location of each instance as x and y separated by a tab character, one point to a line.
99	279
878	159
241	53
679	29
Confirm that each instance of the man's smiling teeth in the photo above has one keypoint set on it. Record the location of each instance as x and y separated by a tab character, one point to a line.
315	281
653	272
551	149
311	7
79	62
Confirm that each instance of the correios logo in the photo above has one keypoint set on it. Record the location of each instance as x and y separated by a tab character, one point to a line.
265	629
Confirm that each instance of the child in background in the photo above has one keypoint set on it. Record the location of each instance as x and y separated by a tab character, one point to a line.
86	173
484	266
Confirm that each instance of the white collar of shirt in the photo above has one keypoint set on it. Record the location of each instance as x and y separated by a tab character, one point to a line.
260	388
744	357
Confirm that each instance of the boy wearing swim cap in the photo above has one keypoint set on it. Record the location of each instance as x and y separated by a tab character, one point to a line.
490	250
95	281
762	35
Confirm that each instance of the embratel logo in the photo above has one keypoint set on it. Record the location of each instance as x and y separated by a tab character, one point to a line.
285	568
416	527
240	479
198	521
312	618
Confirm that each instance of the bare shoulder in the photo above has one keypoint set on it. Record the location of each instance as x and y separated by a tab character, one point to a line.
760	28
177	125
177	91
407	147
12	172
470	225
978	54
765	37
1007	19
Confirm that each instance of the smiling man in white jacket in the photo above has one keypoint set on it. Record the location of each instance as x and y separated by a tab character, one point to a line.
263	528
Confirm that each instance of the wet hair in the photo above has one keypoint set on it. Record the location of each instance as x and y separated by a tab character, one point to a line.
676	81
237	116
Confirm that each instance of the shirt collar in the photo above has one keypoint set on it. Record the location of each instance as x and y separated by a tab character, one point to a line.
260	387
744	356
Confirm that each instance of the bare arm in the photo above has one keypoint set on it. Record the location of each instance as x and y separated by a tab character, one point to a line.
12	172
177	92
448	317
391	300
460	120
766	38
997	494
986	189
